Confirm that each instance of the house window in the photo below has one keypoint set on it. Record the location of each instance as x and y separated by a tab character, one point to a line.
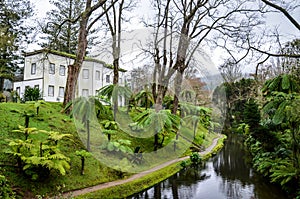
61	92
18	90
62	70
121	100
33	68
107	79
85	73
37	86
51	91
85	92
52	68
97	75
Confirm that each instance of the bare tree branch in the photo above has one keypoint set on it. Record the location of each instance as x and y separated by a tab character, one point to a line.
284	11
274	54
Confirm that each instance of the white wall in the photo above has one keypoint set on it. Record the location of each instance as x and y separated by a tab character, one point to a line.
20	86
44	78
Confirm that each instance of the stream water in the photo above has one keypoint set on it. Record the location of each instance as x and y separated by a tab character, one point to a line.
226	175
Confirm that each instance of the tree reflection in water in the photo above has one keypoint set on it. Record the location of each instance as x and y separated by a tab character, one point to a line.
227	175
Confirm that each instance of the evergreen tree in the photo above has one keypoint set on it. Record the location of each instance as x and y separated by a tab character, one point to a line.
12	33
251	114
62	26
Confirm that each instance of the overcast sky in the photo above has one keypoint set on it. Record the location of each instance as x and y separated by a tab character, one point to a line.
277	19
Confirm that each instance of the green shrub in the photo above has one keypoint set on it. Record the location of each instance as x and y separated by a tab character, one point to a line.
6	191
32	94
195	158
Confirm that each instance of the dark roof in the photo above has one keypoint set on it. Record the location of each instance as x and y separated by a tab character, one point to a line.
72	56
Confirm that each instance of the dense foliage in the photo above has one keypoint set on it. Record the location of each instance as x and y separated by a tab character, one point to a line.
38	155
32	94
13	32
237	95
274	138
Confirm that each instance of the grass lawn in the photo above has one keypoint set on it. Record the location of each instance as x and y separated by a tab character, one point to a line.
51	118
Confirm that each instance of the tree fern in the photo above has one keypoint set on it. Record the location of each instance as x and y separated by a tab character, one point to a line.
113	91
158	122
38	157
283	172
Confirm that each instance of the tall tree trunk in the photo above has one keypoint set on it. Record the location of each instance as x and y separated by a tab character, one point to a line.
74	69
156	141
88	135
71	84
1	84
178	83
116	82
159	99
82	165
115	28
180	64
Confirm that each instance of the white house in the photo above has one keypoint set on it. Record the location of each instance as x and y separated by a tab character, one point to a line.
47	70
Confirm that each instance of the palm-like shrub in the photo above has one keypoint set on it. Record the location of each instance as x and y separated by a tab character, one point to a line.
113	92
145	98
83	154
110	128
84	109
161	122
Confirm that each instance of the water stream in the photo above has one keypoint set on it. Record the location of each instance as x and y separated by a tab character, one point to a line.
227	175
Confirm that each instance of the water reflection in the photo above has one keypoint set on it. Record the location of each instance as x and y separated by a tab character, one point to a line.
227	175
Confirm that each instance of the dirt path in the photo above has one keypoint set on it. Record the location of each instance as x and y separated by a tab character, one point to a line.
135	176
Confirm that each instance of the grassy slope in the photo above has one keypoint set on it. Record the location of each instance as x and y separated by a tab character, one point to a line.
50	118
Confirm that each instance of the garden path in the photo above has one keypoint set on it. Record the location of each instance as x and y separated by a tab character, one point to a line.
135	176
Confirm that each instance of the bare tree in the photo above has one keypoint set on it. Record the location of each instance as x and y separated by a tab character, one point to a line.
114	20
258	45
230	71
183	27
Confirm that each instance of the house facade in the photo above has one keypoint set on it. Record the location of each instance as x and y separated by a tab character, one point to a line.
48	70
